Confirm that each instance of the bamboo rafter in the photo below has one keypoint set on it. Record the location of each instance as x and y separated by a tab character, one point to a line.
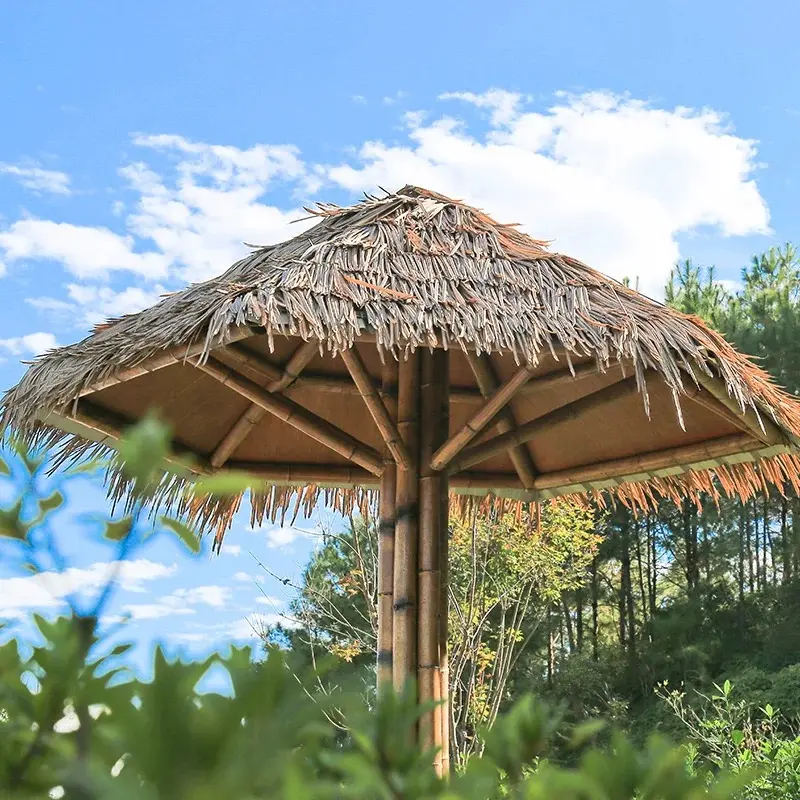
527	431
375	405
486	379
242	428
498	400
298	417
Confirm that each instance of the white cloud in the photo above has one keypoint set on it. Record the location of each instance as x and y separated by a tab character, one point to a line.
612	180
37	179
269	600
181	601
90	304
50	589
502	104
30	344
231	550
247	577
283	536
254	625
84	251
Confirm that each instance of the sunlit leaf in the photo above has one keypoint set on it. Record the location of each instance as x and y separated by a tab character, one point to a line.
119	529
224	484
184	533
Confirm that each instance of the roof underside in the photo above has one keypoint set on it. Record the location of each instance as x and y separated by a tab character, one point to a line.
409	270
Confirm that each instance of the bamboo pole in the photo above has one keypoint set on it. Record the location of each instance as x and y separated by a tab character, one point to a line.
404	625
498	400
487	383
524	433
682	457
432	433
767	432
377	409
100	425
386	535
242	428
443	369
298	417
173	355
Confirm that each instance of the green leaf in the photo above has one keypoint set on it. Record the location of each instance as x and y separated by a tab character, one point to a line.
184	532
726	688
51	503
224	484
4	468
119	529
738	737
11	526
143	448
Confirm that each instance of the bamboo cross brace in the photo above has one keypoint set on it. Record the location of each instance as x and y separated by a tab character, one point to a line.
480	419
243	426
375	405
298	417
524	433
487	383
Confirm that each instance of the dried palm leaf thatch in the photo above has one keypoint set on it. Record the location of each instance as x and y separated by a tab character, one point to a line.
417	269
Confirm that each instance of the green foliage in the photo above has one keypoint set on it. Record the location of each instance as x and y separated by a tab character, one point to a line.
731	735
75	723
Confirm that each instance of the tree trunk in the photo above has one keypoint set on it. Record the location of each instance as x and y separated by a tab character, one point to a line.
640	566
652	571
742	533
568	622
751	525
786	541
579	619
595	609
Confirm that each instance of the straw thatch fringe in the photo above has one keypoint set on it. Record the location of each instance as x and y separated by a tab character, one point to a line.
416	269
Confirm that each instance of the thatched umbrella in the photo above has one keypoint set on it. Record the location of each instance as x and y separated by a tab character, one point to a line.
484	362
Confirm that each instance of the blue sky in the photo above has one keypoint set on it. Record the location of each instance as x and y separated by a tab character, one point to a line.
142	143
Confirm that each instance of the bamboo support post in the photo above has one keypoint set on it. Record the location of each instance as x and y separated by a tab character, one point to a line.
498	400
433	432
298	417
404	623
524	433
386	534
487	383
377	409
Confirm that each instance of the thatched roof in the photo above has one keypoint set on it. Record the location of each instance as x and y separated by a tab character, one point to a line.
415	269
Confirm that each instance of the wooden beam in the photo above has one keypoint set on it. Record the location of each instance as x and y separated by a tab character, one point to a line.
377	409
173	355
498	400
524	433
292	474
386	536
487	383
770	433
294	366
97	424
243	426
298	417
644	466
